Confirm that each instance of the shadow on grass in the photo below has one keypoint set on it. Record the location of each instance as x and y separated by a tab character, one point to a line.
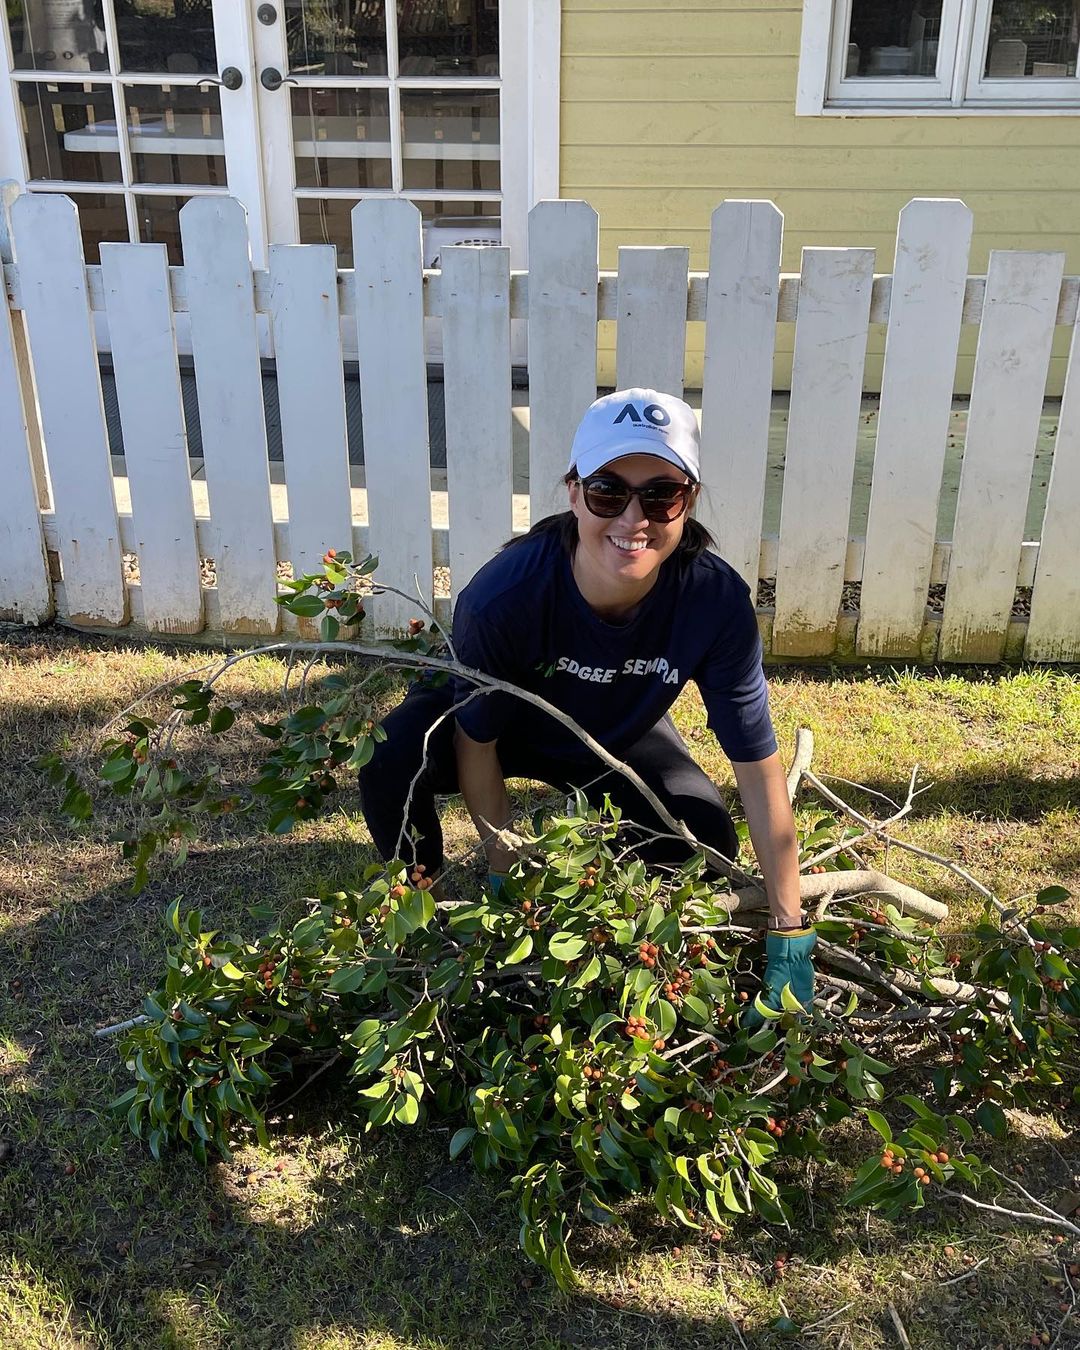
389	1243
360	1238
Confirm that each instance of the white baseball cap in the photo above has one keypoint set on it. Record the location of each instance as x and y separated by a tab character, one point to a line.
637	422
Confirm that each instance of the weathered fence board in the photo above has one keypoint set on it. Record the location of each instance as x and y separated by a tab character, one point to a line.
736	395
1054	625
52	278
929	273
1006	399
563	244
390	334
147	379
651	332
311	400
25	594
476	333
826	388
226	354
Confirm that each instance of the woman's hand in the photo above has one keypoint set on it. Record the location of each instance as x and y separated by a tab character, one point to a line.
788	961
480	778
790	943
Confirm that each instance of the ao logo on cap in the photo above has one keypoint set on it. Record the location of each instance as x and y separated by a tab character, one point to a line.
659	417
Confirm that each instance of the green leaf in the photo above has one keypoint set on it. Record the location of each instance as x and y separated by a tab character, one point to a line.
222	720
346	979
407	1110
307	720
461	1141
365	748
172	915
878	1121
1053	895
566	946
232	972
518	952
329	628
992	1119
789	1001
587	974
306	606
763	1008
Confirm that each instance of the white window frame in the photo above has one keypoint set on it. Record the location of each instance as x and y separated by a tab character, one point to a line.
961	90
530	42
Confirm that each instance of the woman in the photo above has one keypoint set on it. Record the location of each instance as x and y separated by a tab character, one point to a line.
606	611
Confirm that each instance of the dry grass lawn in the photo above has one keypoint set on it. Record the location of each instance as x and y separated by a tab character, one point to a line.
380	1244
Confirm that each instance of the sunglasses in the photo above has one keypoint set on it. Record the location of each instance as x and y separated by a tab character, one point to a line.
662	501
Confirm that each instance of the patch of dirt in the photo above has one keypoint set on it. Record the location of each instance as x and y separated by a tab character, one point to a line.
851	597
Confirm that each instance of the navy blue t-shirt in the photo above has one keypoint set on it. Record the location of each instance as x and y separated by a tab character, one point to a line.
522	619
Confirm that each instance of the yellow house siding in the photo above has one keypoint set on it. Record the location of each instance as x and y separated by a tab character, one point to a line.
669	108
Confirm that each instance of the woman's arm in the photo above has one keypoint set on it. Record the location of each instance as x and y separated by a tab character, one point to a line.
763	789
480	778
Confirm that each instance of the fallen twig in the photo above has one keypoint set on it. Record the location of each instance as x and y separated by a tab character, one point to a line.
1051	1220
900	1331
958	1279
117	1027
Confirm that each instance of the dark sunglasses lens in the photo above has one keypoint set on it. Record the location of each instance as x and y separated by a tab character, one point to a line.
605	496
664	502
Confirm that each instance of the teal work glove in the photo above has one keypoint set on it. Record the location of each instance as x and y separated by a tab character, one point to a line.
495	882
788	961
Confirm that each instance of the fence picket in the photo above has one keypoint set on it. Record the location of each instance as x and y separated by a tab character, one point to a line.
476	334
563	252
393	380
52	278
225	348
736	394
929	277
650	340
25	593
136	281
1054	626
1007	390
826	389
311	399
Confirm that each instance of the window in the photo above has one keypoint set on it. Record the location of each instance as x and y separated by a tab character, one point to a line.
116	104
399	99
298	108
926	55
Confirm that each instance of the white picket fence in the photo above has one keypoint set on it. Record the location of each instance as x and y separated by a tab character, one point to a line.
60	514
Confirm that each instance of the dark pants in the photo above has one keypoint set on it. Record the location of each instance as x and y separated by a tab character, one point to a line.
660	758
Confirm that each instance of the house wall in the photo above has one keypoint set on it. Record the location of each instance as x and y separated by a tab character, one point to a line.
668	108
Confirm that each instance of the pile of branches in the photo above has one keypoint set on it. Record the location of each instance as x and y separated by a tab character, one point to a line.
584	1030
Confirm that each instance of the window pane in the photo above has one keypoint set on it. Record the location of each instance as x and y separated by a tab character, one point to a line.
341	137
448	37
336	37
175	134
166	35
1032	38
327	222
103	220
448	223
48	36
450	140
453	222
159	223
893	39
70	131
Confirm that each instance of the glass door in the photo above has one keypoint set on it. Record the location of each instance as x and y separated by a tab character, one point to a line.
132	107
361	98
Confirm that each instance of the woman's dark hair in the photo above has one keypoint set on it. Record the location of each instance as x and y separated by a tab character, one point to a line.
695	537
